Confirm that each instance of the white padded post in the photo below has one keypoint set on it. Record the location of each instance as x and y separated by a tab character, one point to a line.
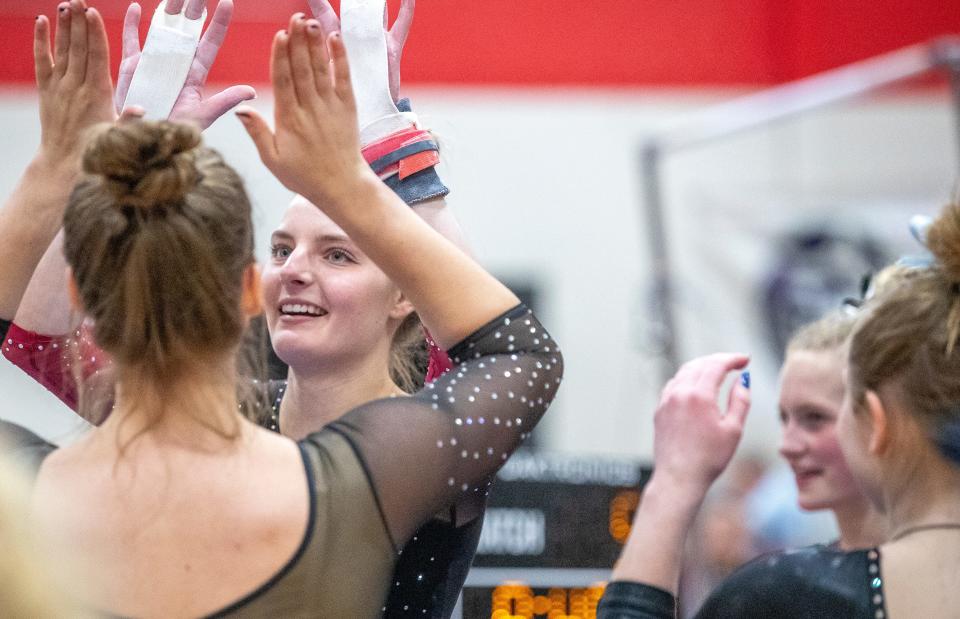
165	62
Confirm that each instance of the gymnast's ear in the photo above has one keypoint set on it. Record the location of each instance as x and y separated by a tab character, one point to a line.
402	307
879	422
73	292
252	301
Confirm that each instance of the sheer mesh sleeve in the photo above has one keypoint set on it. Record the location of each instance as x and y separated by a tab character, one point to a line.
440	447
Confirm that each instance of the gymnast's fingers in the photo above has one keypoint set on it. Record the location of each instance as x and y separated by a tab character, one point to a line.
77	64
319	58
42	58
280	74
738	405
341	68
131	32
195	9
98	57
210	43
131	113
325	15
714	369
174	7
401	28
221	103
261	135
300	63
62	39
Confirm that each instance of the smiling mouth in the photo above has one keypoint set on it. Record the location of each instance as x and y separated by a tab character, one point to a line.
301	309
806	476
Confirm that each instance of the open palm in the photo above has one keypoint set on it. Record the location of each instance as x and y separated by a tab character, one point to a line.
191	105
396	36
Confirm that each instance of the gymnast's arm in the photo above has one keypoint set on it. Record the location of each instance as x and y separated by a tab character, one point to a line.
45	308
44	319
428	450
45	316
693	443
77	71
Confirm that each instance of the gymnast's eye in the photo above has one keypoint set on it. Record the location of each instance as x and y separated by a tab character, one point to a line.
280	252
339	256
814	419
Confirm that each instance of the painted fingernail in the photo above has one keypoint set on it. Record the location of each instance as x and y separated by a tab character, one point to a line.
745	379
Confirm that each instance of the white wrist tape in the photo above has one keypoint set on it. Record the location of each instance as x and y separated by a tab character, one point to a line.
165	62
362	29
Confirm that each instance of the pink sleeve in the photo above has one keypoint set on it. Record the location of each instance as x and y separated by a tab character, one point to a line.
440	362
49	359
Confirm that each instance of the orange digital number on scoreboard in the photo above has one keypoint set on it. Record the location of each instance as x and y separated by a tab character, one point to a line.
622	509
517	601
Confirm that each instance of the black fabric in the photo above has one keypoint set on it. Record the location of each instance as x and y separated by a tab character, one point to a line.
4	327
434	563
431	570
441	446
632	600
817	582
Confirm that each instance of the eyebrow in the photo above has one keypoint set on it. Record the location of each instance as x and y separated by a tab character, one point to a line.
323	238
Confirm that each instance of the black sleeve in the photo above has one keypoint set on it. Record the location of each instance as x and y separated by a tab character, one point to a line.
633	600
441	446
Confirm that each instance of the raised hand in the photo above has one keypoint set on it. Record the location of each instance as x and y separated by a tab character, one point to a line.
315	150
396	36
191	105
693	439
73	81
75	93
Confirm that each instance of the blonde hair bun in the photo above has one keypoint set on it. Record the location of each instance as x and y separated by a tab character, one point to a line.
943	240
145	164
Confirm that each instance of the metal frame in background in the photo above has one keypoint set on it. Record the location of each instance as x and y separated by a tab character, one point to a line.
753	111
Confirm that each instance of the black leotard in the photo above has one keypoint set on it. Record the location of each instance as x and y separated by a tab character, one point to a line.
814	582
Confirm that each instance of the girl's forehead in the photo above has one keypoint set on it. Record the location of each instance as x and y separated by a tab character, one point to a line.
303	218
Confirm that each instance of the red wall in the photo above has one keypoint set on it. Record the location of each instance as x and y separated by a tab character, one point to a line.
551	42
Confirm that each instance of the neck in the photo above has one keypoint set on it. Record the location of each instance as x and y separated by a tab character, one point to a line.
931	496
320	396
860	524
196	413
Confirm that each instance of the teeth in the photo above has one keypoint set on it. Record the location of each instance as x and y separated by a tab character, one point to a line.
296	308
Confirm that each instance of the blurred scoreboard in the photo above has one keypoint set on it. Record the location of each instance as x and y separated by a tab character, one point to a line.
554	527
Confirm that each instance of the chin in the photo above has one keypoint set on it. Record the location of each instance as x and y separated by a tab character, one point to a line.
295	352
815	504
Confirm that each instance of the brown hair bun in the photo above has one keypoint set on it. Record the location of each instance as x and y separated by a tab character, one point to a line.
943	240
145	164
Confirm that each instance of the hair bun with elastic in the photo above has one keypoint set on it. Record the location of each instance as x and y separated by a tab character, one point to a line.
145	164
943	241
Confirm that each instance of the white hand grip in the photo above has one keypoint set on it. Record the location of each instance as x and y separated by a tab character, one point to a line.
165	62
362	29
